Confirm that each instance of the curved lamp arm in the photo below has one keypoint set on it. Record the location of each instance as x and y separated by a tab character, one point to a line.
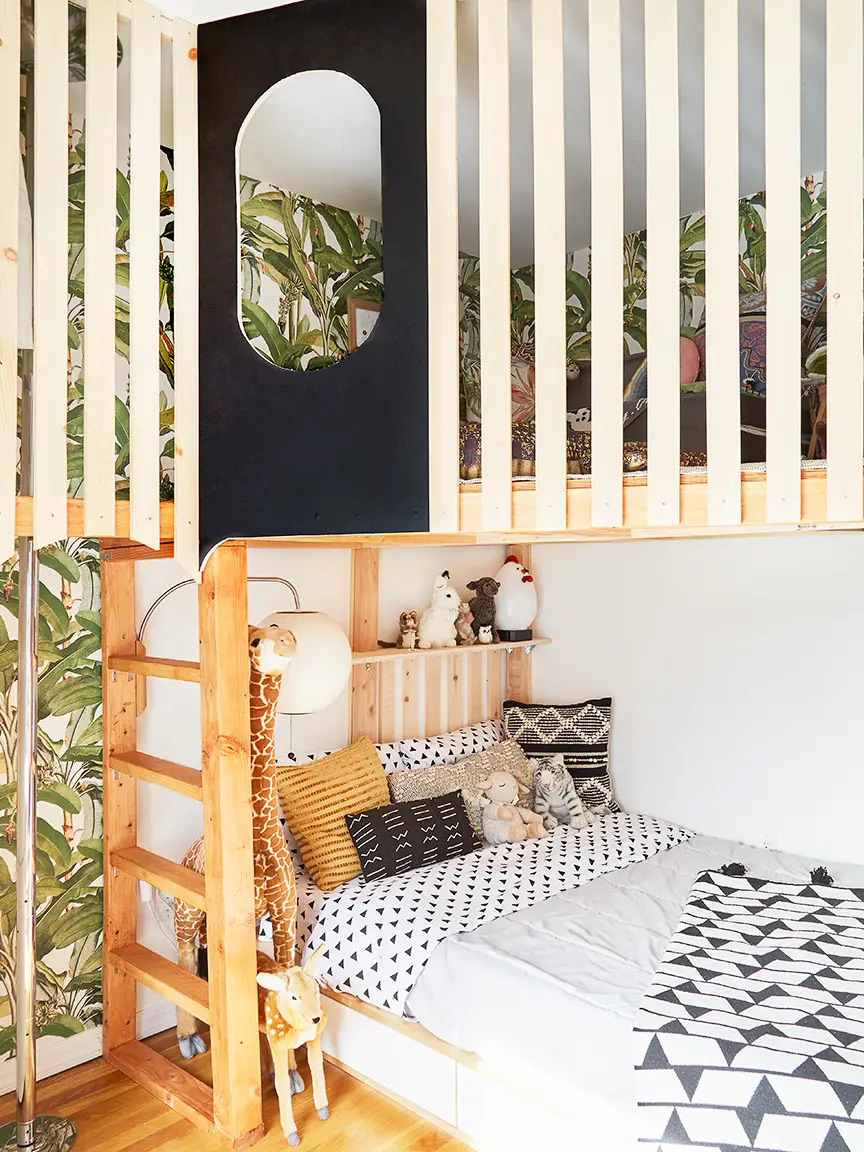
185	583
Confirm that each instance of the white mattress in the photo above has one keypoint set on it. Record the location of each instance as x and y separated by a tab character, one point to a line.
546	997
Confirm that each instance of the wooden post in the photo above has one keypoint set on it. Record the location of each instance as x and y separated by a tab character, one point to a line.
519	660
364	638
223	621
119	799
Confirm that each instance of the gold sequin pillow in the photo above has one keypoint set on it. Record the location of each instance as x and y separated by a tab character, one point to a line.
467	774
317	797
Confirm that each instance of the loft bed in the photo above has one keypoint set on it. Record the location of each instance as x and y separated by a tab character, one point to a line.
264	454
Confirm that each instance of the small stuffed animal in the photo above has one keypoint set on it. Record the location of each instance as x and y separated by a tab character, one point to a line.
556	798
408	624
503	820
484	636
464	631
483	603
437	627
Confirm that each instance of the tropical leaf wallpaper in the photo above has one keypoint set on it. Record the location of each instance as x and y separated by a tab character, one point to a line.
752	279
300	262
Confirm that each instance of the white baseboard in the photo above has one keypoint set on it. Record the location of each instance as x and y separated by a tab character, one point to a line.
57	1053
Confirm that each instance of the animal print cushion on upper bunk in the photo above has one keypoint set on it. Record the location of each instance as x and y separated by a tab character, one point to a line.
580	732
427	751
396	838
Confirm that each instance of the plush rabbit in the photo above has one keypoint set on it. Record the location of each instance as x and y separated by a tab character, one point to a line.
503	820
438	623
556	798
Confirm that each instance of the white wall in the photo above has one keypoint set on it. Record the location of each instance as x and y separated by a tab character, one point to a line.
736	672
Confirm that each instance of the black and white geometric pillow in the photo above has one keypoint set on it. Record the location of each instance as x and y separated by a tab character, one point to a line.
397	838
580	732
428	751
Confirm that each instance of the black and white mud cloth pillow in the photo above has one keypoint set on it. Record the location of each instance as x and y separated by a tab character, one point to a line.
396	838
580	732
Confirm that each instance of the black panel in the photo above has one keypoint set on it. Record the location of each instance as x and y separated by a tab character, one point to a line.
341	449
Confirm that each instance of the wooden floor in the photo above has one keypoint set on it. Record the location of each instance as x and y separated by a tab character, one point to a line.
114	1115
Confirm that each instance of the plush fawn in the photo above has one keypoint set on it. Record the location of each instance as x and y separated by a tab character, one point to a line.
289	1000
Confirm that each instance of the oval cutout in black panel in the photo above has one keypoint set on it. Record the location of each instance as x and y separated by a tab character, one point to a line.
349	442
309	233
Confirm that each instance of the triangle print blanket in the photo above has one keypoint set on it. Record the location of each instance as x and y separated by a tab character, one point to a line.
378	936
752	1034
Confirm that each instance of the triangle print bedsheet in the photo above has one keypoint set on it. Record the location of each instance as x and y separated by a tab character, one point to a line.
378	936
751	1036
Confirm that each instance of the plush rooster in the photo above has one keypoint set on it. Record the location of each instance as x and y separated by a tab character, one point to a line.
516	601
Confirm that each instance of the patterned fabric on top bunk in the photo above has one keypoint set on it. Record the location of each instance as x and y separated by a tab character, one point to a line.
752	1033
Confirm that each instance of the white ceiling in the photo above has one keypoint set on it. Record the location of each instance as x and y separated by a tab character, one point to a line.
333	155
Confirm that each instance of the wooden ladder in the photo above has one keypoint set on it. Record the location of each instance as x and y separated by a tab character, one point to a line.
228	1003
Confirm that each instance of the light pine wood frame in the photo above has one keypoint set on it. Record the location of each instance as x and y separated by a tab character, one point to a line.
228	1001
398	694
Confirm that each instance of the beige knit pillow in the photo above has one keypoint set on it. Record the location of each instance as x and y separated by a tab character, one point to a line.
317	797
467	774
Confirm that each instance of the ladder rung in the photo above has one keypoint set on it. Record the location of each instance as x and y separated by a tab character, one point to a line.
177	777
165	978
163	874
175	1087
188	670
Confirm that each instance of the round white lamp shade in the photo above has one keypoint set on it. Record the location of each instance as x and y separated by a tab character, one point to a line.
317	675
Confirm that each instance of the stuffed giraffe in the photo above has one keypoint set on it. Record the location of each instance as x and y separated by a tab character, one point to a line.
289	1007
271	650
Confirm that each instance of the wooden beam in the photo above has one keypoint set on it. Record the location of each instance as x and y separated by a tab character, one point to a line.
223	630
443	215
175	1087
364	636
10	178
119	801
154	770
165	978
519	660
185	75
75	513
50	243
100	271
164	669
723	396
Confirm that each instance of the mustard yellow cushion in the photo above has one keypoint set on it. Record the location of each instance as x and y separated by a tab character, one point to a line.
317	797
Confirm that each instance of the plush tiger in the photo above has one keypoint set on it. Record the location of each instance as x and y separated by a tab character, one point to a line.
557	800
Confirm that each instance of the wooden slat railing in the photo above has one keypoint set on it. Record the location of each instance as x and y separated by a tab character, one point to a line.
10	176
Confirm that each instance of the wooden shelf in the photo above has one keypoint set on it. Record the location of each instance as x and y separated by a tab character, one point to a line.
381	655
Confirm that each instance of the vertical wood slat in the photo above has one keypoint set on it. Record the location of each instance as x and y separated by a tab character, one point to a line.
494	695
409	689
100	212
50	242
443	217
433	678
144	274
607	260
235	1060
495	385
185	74
387	703
550	243
119	798
723	403
364	638
664	290
518	662
476	668
845	183
455	693
10	170
783	259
